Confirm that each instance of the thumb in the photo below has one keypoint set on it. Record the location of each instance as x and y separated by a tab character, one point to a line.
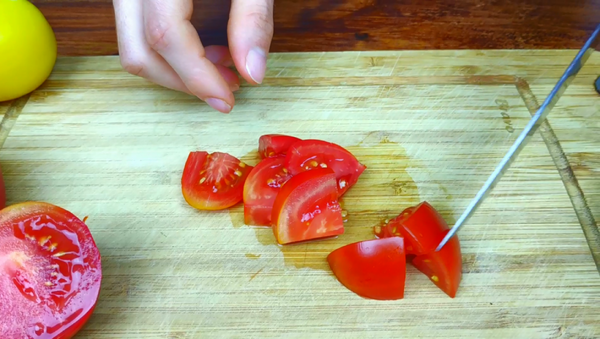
250	31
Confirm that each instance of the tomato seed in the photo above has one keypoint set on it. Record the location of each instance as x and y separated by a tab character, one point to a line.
314	163
435	278
323	165
202	180
238	173
344	213
241	164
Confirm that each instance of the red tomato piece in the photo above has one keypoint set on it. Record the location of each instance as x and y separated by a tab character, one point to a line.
270	145
308	155
2	191
444	268
261	188
307	208
50	272
423	228
374	269
213	181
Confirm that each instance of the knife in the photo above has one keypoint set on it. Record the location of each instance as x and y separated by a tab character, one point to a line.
529	130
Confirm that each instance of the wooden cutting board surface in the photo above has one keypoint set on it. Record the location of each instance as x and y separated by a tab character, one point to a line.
429	126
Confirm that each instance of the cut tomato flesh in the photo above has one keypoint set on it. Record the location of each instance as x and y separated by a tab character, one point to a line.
444	268
261	188
374	269
213	181
271	145
423	228
50	272
308	155
307	208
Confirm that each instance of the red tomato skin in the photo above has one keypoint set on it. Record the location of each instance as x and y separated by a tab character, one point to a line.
271	145
373	269
261	188
16	220
290	225
205	195
421	226
310	154
444	268
2	191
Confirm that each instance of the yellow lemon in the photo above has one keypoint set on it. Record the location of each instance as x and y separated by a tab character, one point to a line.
27	48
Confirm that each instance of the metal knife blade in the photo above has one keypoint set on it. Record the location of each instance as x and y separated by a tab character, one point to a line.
593	43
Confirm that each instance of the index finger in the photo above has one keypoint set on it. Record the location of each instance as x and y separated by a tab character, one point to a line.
170	33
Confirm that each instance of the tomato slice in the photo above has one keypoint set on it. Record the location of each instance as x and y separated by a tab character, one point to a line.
423	228
374	269
444	268
261	188
270	145
50	272
213	181
309	154
307	208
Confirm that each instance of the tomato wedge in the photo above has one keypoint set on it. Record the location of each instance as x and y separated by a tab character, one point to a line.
270	145
421	225
444	268
50	272
423	228
213	181
261	188
307	208
374	269
310	154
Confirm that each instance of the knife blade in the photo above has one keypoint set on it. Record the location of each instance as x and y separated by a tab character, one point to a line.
593	43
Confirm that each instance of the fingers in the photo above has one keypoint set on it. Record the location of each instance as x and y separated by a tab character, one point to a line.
169	32
136	56
250	32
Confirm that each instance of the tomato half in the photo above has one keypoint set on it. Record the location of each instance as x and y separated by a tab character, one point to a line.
261	188
444	268
270	145
307	208
309	154
50	272
374	269
423	228
213	181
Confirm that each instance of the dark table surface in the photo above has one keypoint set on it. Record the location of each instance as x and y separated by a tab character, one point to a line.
87	27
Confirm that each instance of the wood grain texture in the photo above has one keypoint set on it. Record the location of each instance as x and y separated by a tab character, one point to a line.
87	27
102	143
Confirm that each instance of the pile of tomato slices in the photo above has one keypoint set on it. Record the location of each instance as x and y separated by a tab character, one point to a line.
295	190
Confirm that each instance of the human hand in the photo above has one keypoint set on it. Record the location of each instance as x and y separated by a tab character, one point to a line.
158	42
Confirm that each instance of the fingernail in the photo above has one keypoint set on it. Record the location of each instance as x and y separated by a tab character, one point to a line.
219	105
234	87
256	64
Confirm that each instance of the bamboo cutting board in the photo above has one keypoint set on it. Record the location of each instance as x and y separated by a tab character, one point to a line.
428	125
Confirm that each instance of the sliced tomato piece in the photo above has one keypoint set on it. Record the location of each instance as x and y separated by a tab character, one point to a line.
213	181
421	226
270	145
50	272
374	269
444	268
261	188
309	154
307	208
